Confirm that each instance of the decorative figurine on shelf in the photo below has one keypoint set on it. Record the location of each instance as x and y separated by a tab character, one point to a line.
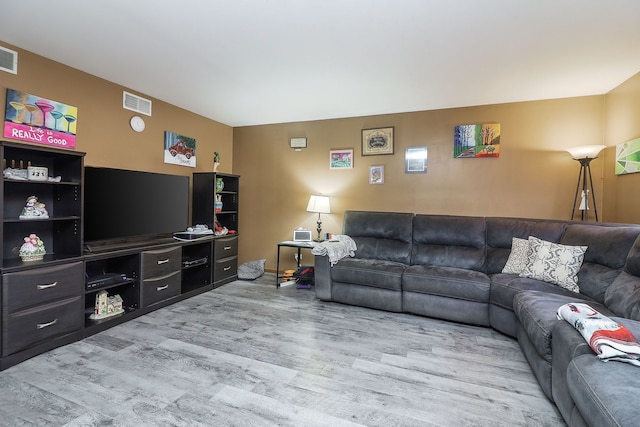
218	203
106	306
219	184
216	161
32	249
219	230
34	209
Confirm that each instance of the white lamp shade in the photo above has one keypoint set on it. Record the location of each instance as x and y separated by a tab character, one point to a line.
319	204
585	151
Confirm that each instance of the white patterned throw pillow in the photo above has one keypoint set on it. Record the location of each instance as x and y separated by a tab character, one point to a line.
519	256
555	263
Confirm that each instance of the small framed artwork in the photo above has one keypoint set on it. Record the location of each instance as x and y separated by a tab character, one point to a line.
377	141
415	160
341	159
298	142
376	174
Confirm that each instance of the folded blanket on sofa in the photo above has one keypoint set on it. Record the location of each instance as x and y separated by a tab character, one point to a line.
609	339
340	246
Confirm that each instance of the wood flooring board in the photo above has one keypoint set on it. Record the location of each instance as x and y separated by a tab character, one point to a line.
251	354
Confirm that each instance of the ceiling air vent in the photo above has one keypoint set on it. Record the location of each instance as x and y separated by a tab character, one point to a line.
8	60
135	103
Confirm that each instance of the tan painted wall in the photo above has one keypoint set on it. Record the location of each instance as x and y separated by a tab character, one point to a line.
533	177
103	125
622	193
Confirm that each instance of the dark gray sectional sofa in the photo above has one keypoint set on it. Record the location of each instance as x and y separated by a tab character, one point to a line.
450	267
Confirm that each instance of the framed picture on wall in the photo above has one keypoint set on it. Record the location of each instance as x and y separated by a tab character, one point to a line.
376	174
415	160
341	159
377	141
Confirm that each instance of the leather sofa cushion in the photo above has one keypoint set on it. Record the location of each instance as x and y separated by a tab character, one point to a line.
505	286
623	296
447	282
500	231
607	249
380	235
536	312
449	241
606	394
608	245
369	272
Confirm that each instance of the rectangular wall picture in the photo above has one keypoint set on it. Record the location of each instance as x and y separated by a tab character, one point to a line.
376	174
415	160
179	149
628	157
478	140
377	141
341	159
32	118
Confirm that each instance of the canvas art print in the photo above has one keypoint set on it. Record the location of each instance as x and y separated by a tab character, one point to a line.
628	157
479	140
32	118
179	149
341	159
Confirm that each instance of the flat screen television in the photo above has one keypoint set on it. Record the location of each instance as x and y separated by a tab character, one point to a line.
123	205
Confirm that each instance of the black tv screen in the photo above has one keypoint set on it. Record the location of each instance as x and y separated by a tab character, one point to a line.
124	204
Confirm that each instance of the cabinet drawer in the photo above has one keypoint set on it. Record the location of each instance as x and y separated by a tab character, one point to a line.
160	288
225	268
33	287
226	247
161	262
25	328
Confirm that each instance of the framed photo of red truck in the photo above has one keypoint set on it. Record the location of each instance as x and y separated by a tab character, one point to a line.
179	149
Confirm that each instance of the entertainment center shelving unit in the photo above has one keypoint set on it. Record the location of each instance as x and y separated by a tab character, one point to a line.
46	304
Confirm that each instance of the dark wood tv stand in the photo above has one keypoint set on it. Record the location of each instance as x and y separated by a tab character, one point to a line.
48	303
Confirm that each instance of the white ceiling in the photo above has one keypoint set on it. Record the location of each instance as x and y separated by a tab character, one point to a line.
248	62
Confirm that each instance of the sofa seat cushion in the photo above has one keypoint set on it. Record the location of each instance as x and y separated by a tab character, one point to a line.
536	312
369	272
504	287
569	344
606	394
448	282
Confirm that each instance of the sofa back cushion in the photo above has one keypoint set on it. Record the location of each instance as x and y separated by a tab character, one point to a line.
623	296
608	246
501	231
380	235
448	241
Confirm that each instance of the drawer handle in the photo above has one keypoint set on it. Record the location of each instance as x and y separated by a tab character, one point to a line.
44	325
226	248
50	285
226	268
163	261
162	288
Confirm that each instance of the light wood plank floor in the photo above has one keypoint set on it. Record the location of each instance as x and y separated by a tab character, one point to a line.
249	354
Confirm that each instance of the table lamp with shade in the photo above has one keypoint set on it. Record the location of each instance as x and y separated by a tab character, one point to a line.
319	204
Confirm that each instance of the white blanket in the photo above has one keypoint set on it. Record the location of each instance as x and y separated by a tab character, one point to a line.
609	339
340	246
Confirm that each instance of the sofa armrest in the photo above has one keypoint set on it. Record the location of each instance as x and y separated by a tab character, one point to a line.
322	269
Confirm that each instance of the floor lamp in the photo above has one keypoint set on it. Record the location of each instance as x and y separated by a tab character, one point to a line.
584	155
319	205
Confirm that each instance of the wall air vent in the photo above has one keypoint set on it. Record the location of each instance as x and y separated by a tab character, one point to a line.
8	60
135	103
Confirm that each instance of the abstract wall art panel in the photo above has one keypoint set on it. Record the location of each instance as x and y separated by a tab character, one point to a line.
478	140
628	157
